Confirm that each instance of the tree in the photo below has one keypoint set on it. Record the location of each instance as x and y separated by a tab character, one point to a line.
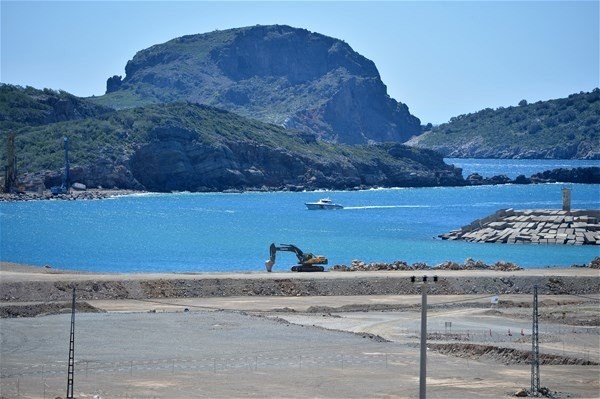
534	127
522	103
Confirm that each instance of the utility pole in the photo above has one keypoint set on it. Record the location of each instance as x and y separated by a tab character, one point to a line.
535	348
67	167
423	359
71	369
423	362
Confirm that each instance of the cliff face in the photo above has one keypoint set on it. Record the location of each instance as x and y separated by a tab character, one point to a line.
178	161
277	74
295	54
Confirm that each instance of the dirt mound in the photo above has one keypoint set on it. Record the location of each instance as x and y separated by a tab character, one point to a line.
505	355
469	264
39	309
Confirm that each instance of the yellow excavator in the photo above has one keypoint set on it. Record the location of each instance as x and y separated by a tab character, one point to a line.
307	262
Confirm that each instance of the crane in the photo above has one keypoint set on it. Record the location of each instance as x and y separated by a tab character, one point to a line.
307	262
64	187
11	181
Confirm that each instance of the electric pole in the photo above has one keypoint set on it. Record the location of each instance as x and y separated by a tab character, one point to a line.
71	369
423	363
10	170
423	360
535	348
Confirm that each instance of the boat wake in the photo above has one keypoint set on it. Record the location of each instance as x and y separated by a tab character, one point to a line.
386	206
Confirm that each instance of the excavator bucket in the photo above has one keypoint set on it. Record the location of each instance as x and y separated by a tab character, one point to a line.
269	265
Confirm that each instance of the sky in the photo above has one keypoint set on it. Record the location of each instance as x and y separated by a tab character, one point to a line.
441	58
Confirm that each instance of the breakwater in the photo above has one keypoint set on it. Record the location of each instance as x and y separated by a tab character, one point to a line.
534	226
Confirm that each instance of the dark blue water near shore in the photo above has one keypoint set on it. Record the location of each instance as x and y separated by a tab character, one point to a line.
232	232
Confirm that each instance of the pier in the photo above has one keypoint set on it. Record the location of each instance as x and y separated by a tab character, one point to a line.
533	226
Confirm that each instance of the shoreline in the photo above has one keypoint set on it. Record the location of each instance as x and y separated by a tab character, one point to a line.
74	195
473	180
21	283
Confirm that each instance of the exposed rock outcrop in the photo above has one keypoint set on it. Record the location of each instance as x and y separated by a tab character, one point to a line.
277	74
589	175
584	175
177	161
190	147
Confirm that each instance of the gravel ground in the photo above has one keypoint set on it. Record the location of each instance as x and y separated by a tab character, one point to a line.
167	345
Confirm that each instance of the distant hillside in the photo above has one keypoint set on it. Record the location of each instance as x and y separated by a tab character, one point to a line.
566	128
28	106
276	74
182	146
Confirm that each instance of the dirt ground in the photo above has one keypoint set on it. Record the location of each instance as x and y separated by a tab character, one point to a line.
350	346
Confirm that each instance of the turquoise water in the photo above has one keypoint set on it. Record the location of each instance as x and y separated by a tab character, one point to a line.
188	232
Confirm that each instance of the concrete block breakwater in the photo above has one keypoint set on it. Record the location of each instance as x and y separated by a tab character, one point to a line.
534	226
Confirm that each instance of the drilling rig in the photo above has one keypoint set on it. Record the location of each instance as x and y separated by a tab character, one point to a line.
11	181
64	187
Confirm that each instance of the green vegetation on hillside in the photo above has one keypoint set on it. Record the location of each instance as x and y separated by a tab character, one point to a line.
117	134
562	128
28	106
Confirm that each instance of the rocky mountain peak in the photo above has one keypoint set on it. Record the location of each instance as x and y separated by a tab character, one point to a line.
297	55
277	74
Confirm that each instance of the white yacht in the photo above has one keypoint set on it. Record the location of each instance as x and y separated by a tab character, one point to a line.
323	203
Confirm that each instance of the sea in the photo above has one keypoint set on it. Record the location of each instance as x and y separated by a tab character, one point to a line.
231	232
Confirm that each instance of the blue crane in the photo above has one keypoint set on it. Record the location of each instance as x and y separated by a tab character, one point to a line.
64	187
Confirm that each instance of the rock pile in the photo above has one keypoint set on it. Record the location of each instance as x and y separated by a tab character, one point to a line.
469	264
73	195
289	284
539	226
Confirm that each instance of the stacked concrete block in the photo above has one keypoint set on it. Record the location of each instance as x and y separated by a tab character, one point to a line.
535	226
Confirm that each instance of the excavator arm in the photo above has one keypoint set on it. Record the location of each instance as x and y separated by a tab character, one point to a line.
306	261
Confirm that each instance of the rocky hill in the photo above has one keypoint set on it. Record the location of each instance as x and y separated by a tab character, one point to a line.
182	146
21	107
566	128
277	74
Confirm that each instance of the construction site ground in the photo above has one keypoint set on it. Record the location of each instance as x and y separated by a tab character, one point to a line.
302	346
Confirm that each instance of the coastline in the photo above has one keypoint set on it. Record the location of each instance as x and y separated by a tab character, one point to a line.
22	283
576	175
89	194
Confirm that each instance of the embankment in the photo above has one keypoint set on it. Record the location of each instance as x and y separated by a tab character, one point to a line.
578	281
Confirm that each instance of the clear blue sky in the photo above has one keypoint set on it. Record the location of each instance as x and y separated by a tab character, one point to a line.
441	58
